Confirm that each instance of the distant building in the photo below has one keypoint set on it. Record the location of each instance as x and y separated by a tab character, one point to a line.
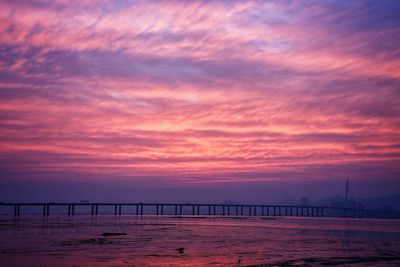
347	201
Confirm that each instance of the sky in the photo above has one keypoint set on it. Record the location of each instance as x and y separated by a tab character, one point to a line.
207	95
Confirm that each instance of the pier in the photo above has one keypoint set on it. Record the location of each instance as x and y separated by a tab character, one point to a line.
73	209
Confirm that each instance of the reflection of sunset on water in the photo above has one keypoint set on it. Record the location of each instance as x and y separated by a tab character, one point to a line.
153	241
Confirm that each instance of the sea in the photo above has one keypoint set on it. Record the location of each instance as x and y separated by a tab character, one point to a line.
110	240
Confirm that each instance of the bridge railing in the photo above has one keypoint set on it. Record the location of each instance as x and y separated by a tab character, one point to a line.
181	209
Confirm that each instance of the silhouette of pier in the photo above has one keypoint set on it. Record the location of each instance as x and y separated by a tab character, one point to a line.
139	209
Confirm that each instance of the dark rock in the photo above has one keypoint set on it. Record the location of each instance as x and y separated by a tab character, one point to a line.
113	234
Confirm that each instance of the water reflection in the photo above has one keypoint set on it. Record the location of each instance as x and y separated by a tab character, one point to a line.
156	241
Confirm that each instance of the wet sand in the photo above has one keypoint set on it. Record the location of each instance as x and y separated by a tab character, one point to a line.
197	241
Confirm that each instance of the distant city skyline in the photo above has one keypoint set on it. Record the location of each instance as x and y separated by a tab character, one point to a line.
200	94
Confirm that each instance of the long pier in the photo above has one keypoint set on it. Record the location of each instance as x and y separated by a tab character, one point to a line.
94	209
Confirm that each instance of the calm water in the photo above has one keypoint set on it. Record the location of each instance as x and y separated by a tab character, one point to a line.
151	241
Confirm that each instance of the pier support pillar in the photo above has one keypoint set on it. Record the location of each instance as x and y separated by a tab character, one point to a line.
17	210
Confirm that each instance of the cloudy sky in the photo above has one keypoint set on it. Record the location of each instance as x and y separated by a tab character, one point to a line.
200	92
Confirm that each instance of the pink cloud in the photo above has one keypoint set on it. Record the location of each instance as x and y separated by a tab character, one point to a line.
194	91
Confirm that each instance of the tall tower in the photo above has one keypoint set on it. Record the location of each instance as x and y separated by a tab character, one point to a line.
346	194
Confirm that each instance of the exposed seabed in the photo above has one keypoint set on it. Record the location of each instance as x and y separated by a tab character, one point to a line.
197	241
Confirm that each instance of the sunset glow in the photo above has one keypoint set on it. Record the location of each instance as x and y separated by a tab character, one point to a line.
199	92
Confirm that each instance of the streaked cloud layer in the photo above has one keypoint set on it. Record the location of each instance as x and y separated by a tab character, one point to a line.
199	92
